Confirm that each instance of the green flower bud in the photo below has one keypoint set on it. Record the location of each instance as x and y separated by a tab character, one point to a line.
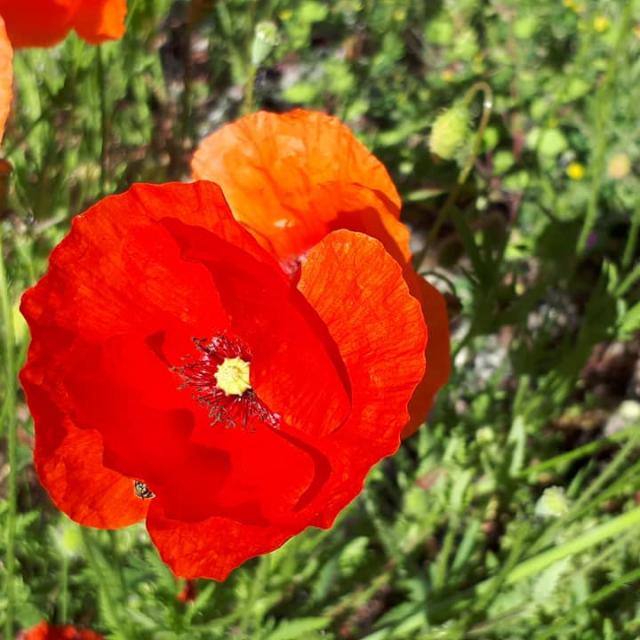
67	538
450	132
553	503
265	39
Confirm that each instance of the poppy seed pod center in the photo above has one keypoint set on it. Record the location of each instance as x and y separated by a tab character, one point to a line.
232	376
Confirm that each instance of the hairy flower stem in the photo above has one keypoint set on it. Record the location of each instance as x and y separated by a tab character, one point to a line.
64	589
248	105
9	413
104	125
632	240
603	109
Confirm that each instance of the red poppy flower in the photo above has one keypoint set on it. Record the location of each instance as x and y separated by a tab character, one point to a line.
292	178
46	631
6	77
177	373
43	23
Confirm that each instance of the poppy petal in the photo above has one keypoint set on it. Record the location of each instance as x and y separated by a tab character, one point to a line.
378	328
213	547
268	164
438	353
381	335
69	459
37	23
100	20
88	296
284	333
357	208
6	77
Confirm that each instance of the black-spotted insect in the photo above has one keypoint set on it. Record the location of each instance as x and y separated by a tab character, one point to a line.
142	491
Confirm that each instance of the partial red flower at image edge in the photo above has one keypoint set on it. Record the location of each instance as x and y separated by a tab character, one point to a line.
46	631
6	77
177	374
44	23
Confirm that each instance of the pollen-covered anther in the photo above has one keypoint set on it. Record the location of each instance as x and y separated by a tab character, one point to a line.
219	378
232	376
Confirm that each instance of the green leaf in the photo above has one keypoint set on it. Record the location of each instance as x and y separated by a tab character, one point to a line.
296	629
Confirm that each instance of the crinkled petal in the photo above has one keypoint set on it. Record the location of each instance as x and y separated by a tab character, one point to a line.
269	164
213	547
381	335
438	352
6	77
69	459
284	332
100	20
359	209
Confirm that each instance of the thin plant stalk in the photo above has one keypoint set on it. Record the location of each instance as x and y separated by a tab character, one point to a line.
603	109
248	104
632	239
9	413
64	589
104	124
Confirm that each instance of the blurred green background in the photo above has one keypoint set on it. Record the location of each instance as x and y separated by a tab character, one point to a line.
514	513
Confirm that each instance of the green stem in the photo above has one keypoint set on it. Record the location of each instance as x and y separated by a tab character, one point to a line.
64	589
580	452
603	108
632	240
104	125
187	94
248	104
9	412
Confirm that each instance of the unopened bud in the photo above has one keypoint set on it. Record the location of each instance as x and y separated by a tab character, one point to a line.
450	132
265	40
619	166
553	503
67	538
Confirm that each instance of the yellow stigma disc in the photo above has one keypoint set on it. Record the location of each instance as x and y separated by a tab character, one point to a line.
232	376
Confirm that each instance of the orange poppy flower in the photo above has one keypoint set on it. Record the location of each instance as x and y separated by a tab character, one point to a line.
292	178
46	631
6	77
44	23
177	373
